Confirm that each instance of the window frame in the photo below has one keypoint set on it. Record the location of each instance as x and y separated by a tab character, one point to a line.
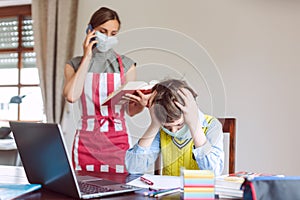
20	12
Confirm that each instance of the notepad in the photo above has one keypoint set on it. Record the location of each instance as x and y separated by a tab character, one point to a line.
198	184
10	191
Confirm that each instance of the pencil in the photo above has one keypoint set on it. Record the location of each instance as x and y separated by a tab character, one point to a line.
153	191
152	194
167	192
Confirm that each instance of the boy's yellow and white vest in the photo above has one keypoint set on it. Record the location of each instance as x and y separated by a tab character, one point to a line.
178	153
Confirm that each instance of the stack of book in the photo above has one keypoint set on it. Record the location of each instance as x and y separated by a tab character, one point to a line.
229	185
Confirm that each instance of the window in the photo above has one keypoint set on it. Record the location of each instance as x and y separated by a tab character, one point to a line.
18	70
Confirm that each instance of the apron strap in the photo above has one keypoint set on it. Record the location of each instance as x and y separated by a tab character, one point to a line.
121	69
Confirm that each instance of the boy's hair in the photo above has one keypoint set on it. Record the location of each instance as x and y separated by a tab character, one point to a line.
165	109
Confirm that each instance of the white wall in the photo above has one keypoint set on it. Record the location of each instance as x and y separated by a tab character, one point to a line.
251	74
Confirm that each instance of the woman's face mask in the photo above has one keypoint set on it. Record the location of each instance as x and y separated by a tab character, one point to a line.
105	42
178	134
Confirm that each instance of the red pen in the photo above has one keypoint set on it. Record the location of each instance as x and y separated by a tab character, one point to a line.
147	181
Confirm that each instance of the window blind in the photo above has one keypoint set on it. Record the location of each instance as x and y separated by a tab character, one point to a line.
9	41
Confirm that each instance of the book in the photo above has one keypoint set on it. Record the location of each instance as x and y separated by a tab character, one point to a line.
117	97
229	186
10	191
229	181
225	191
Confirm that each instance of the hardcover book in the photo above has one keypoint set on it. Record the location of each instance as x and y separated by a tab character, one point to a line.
117	97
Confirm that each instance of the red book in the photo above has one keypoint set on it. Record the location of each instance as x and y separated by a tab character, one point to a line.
117	97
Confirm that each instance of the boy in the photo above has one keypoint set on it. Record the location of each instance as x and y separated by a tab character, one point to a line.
180	131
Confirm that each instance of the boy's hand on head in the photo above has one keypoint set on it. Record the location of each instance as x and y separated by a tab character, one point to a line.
190	109
155	125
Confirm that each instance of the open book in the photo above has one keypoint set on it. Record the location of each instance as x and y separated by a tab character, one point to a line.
117	97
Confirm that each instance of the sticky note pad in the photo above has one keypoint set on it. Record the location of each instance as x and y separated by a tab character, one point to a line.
198	184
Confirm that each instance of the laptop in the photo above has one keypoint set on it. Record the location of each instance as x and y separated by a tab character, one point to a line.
46	161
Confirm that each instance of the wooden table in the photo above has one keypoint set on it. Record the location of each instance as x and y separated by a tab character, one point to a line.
14	174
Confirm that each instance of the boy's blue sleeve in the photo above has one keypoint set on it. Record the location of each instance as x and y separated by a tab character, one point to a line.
138	159
210	156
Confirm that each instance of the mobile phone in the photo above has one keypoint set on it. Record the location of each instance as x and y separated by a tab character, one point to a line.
90	28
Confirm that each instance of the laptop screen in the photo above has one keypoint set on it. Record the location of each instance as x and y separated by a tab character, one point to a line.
44	157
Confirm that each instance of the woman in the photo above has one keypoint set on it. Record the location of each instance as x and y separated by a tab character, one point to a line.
180	132
101	139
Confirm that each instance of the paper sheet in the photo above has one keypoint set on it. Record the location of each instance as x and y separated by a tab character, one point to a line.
160	182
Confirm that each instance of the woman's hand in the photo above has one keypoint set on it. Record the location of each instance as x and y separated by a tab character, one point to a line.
139	100
136	103
88	44
74	81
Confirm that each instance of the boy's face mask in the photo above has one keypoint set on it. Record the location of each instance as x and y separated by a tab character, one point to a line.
105	42
178	134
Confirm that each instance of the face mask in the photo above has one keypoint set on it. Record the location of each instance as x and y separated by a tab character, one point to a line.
178	134
105	42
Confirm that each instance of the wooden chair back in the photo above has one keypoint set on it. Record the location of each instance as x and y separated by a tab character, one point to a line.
229	127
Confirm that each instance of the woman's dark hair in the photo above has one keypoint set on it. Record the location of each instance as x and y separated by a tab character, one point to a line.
103	15
165	109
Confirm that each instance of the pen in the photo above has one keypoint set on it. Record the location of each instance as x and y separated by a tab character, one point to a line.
152	194
147	181
155	189
167	192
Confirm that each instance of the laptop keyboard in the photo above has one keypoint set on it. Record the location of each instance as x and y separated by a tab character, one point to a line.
92	189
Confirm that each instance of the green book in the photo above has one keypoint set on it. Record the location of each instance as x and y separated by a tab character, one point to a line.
10	191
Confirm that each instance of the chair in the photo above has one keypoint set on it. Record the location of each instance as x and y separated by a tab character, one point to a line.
229	129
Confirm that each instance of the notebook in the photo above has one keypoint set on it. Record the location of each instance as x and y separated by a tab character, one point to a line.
46	161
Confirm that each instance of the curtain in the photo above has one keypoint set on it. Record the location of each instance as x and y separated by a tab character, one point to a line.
54	22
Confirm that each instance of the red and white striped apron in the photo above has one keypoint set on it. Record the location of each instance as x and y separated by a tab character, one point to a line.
101	139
